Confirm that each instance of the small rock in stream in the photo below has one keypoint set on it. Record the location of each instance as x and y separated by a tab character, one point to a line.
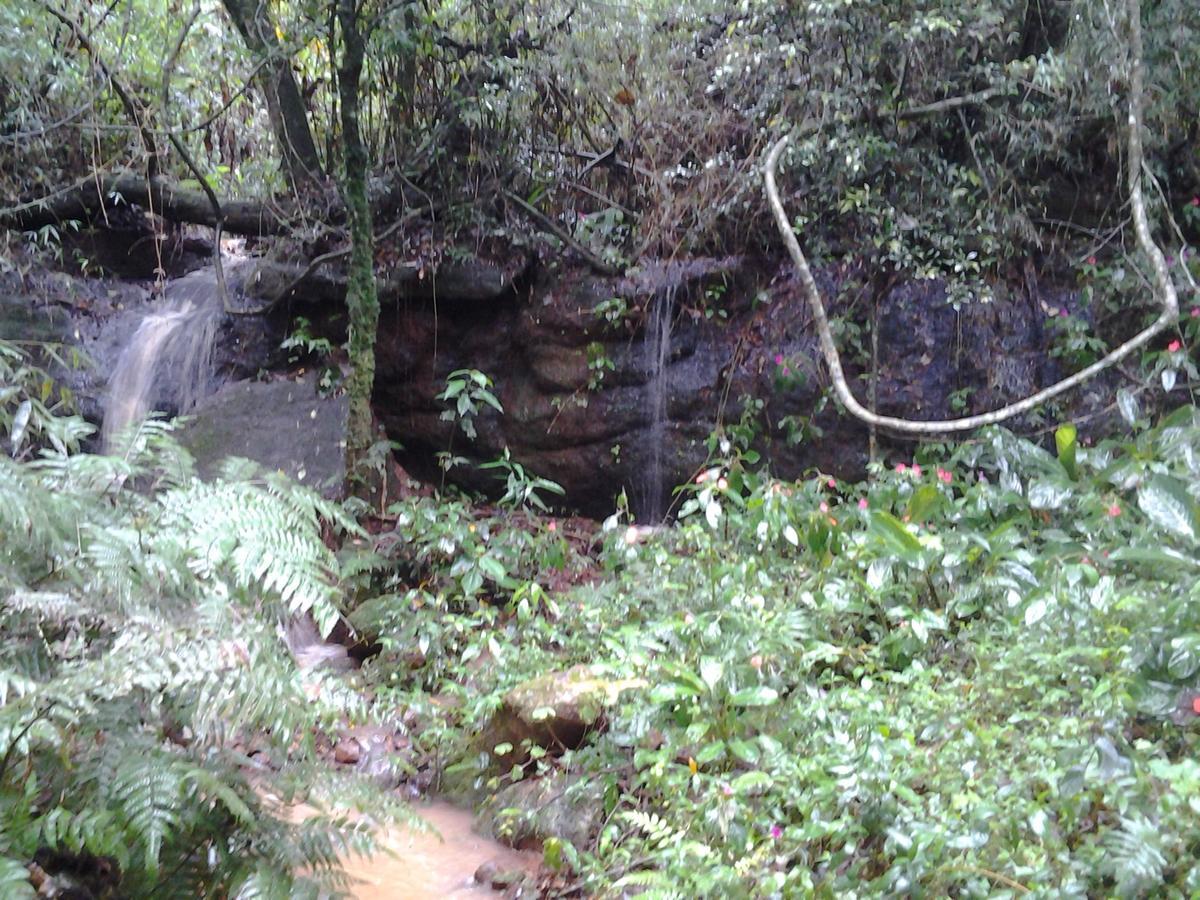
487	871
348	751
498	879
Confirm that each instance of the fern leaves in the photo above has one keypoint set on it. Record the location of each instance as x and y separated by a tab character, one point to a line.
139	608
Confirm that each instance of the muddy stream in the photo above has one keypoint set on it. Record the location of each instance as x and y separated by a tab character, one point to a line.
417	864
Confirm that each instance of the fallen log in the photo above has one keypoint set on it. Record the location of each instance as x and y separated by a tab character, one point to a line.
90	202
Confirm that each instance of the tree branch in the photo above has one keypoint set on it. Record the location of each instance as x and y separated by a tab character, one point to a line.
1170	301
546	222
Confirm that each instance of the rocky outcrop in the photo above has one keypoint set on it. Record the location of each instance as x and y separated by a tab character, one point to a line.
612	384
530	812
608	384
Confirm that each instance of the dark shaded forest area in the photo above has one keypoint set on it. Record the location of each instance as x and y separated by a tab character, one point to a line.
732	450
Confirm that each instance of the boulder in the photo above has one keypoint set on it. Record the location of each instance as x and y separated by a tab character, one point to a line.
554	711
530	812
283	425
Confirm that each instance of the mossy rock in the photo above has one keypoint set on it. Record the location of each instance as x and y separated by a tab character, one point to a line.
553	711
528	813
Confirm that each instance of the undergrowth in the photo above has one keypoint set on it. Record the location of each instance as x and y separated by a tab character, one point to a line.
972	676
141	655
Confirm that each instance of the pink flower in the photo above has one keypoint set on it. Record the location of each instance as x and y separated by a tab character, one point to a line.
1196	312
776	832
1063	313
1174	347
1114	510
944	476
779	359
756	662
862	504
787	372
1091	260
832	483
1196	201
552	526
823	507
726	790
901	468
916	470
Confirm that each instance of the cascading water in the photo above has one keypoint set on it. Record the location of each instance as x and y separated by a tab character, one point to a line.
167	364
657	348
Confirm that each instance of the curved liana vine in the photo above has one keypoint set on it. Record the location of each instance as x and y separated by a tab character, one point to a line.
1168	296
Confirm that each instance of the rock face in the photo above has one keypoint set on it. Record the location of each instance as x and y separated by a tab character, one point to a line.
608	384
612	384
96	318
283	425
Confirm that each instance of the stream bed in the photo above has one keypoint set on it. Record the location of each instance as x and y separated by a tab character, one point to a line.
435	863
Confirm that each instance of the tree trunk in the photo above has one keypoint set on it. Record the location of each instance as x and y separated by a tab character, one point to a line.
285	106
362	298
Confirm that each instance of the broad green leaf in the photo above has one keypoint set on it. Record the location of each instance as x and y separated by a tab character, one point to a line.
752	783
1153	556
755	696
1128	405
20	421
1035	612
1045	493
892	532
1065	442
711	672
924	503
1167	504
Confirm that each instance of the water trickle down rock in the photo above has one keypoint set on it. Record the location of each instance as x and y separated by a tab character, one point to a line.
657	348
168	363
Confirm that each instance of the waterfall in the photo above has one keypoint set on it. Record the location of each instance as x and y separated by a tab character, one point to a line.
657	349
167	363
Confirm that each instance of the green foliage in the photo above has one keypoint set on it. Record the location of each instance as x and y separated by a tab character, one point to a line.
521	488
140	611
467	392
973	675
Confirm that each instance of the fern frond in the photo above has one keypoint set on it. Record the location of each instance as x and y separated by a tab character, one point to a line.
14	880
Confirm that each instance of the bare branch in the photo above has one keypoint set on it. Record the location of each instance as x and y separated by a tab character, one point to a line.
1170	301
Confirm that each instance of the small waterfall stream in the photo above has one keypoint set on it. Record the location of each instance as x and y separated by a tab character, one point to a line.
167	364
657	349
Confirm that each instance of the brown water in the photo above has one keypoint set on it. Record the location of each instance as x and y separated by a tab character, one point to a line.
429	865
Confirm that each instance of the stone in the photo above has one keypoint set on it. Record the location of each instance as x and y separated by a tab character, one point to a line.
530	812
487	871
509	878
554	711
498	879
347	752
282	425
